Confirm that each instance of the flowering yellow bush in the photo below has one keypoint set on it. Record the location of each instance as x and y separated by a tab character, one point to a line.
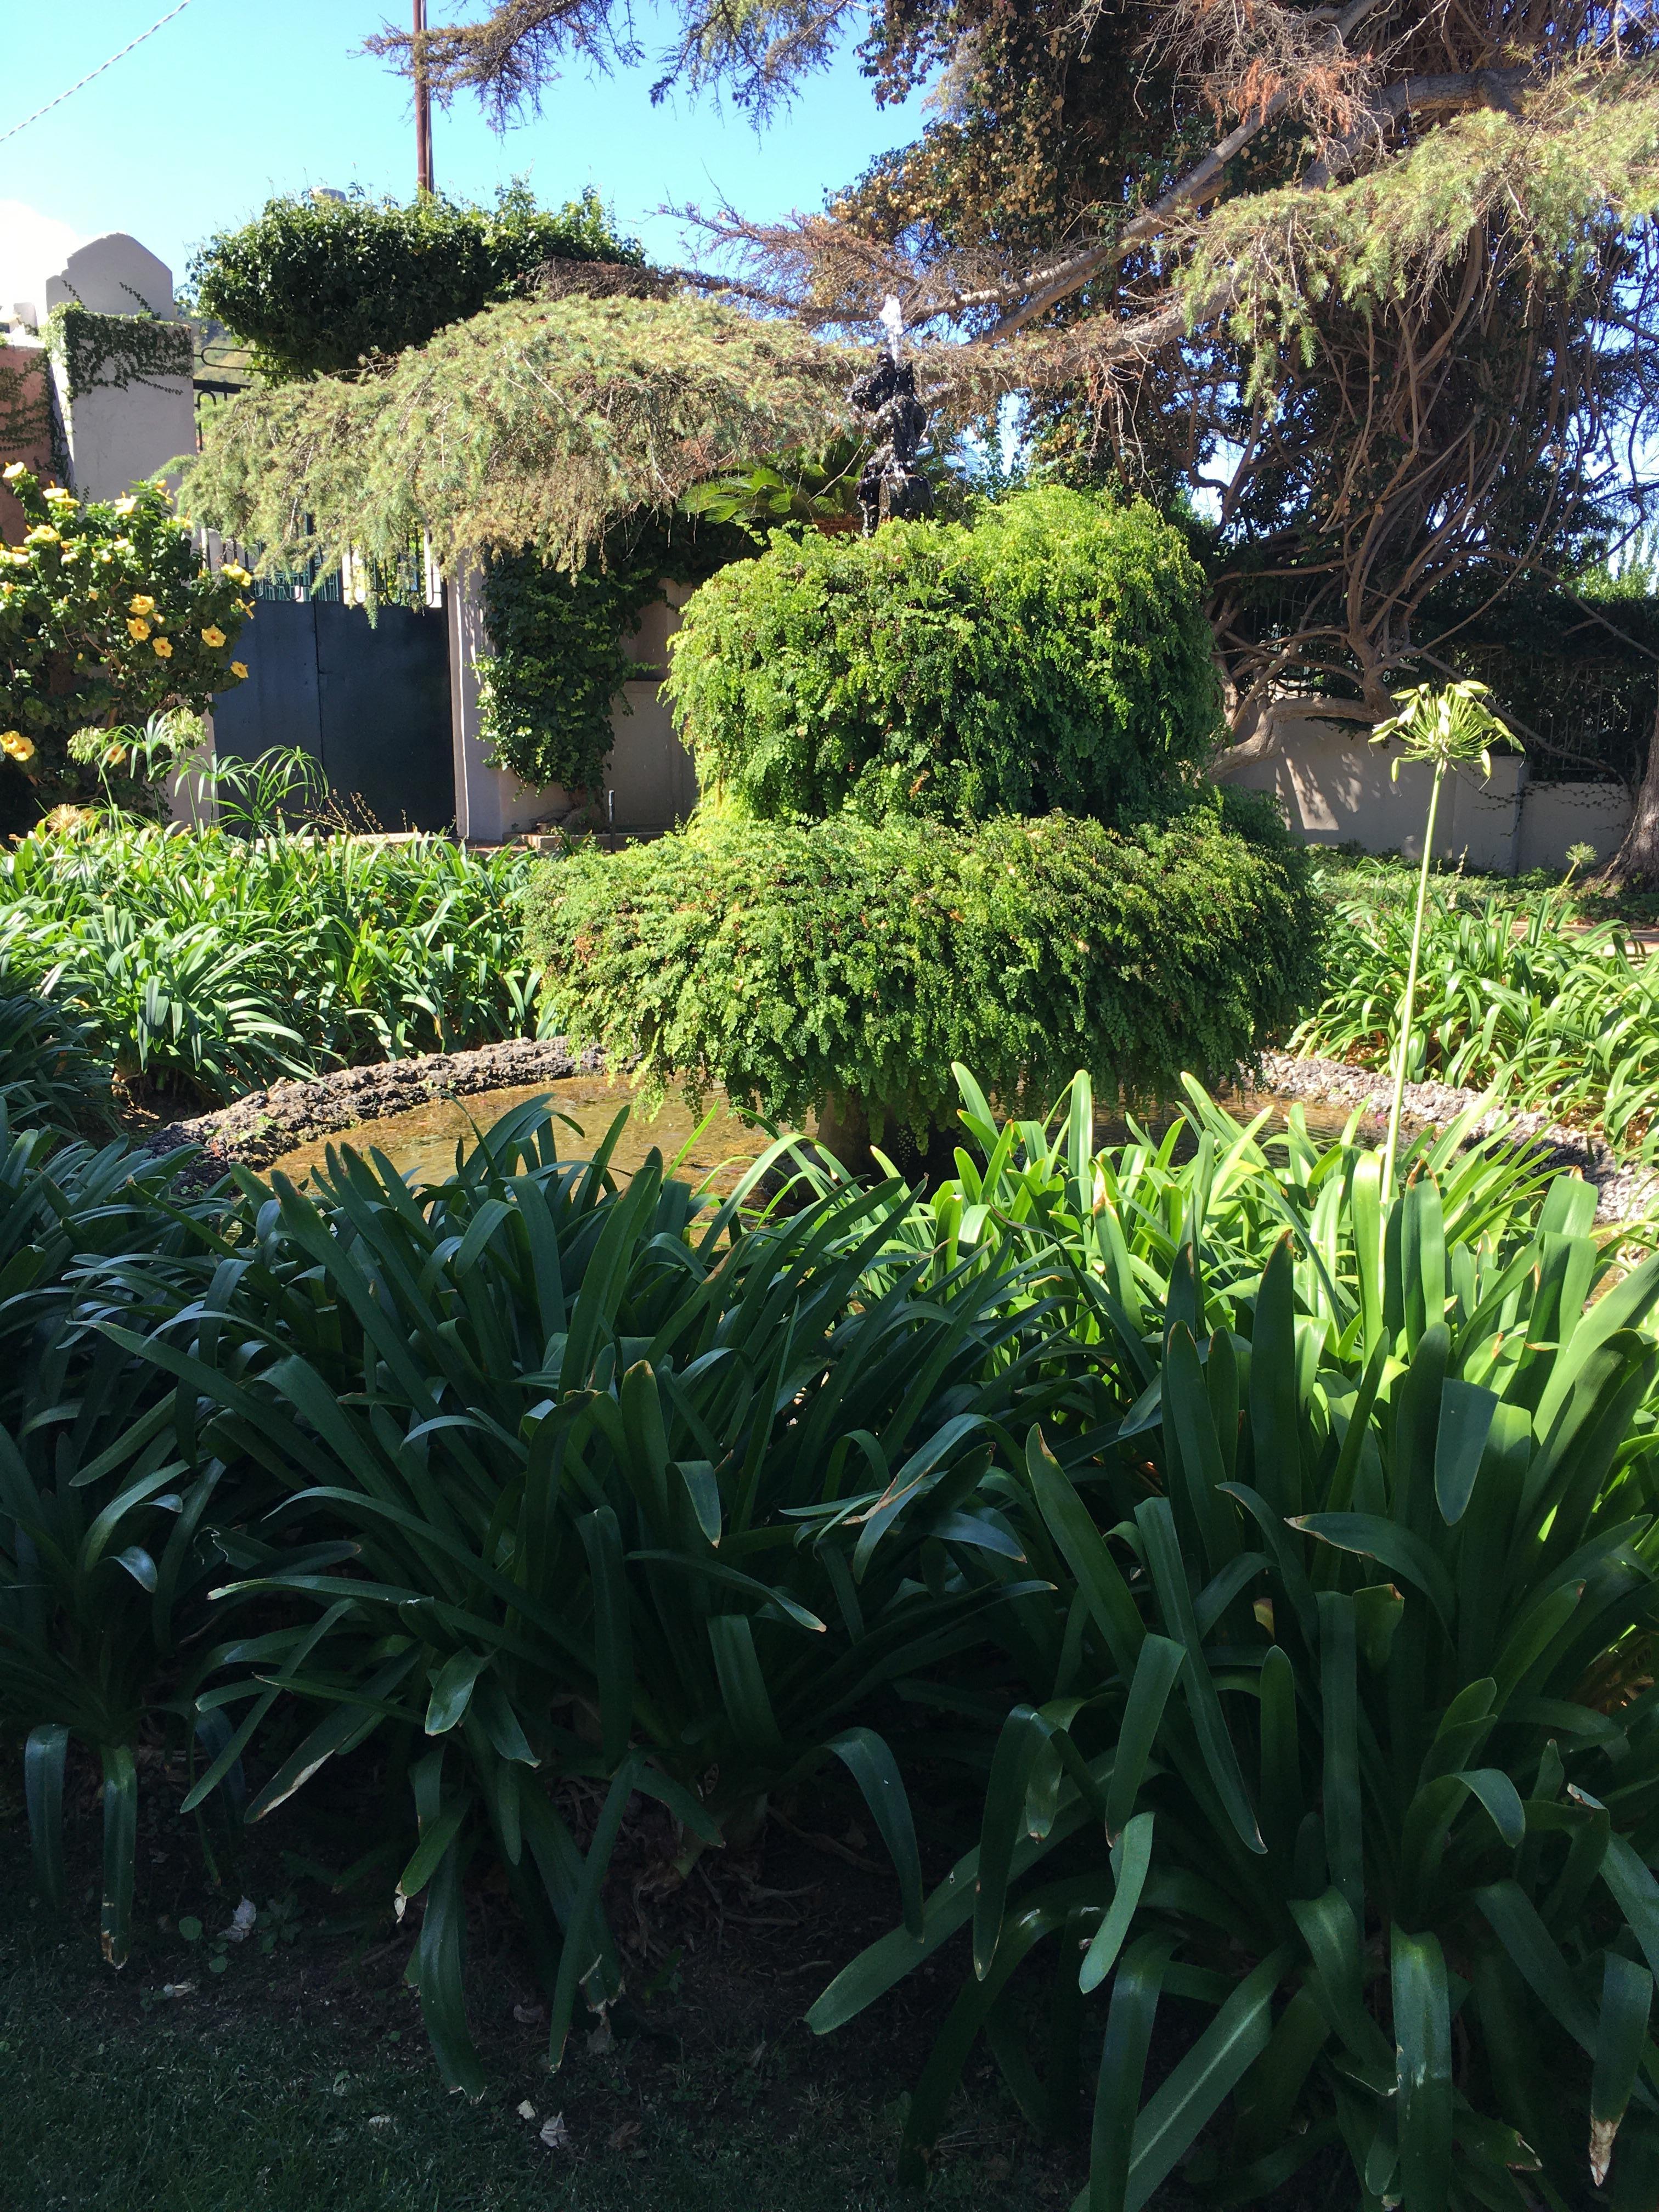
108	615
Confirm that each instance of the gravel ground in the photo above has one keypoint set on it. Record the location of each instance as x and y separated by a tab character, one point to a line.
1623	1190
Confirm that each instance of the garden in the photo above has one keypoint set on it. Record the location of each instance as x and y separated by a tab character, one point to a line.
987	1529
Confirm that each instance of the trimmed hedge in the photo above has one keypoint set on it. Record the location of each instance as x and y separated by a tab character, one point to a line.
1053	654
315	287
799	964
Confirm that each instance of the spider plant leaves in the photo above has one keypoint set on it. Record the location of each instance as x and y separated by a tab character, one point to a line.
1167	1572
46	1751
1621	2045
1422	2028
440	1969
1136	1988
1157	1666
1131	1859
1518	1926
613	1633
1025	1735
1181	2106
120	1852
1392	1793
452	1691
1275	1424
436	1836
950	1907
870	1761
1404	1554
1466	1410
584	1938
1084	1549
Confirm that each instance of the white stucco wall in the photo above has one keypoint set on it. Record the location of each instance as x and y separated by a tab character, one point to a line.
119	433
1336	787
649	782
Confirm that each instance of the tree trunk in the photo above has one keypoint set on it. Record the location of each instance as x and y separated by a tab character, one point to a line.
1634	865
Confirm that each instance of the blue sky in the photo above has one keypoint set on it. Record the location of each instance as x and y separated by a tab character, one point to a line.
236	99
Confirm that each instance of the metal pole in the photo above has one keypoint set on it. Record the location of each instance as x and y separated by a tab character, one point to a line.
422	104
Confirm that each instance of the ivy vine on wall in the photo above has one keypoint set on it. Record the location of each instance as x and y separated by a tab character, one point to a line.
109	352
24	404
560	658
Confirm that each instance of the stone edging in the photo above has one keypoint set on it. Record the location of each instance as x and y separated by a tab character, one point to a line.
259	1128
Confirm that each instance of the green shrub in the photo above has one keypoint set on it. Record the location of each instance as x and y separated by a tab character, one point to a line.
52	1075
537	1446
315	286
107	1562
1358	1685
1053	654
108	614
846	960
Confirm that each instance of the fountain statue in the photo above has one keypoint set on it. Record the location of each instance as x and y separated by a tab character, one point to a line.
885	400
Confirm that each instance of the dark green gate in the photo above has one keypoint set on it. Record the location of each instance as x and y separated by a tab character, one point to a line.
368	701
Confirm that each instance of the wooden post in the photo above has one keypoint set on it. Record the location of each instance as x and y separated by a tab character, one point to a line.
422	105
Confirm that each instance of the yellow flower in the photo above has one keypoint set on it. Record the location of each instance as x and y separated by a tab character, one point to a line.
42	534
161	648
126	505
116	756
143	604
138	631
236	573
10	473
15	745
213	635
238	670
59	494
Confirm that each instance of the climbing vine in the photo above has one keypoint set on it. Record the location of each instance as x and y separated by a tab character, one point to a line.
24	404
109	352
560	659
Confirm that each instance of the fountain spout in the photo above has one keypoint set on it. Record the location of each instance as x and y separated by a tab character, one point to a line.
885	400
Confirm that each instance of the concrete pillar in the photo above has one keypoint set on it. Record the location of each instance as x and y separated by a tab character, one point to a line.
648	783
124	426
491	804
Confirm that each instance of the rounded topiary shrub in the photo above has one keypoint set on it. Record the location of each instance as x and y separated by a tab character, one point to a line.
1052	655
847	963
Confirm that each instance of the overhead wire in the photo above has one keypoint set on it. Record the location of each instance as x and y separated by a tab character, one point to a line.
91	73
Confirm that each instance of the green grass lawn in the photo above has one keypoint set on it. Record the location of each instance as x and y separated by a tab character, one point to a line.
301	2082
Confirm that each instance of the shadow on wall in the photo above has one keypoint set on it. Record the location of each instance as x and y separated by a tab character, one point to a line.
1336	788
